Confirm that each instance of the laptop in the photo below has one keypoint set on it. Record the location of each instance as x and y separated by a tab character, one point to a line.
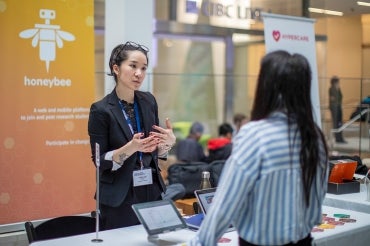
159	217
204	199
341	170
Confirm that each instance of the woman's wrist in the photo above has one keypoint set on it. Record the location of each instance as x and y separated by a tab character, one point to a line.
122	154
163	149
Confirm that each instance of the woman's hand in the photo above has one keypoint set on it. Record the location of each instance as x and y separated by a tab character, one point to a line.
140	144
165	137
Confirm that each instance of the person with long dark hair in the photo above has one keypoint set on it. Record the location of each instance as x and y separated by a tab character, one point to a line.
274	183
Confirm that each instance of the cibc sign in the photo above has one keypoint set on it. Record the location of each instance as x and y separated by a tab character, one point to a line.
217	9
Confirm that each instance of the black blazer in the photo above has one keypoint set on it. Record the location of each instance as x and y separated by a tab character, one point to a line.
108	127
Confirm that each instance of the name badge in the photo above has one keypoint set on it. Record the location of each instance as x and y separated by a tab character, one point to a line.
142	177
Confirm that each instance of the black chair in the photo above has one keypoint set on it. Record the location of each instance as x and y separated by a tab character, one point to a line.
215	169
60	227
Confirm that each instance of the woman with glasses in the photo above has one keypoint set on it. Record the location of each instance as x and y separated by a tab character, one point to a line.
274	183
125	124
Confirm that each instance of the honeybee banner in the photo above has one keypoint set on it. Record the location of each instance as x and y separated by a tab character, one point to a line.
46	88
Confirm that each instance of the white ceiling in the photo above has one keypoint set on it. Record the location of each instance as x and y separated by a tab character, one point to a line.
294	7
287	7
348	7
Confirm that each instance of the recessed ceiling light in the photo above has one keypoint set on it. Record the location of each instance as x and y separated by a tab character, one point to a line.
325	11
363	4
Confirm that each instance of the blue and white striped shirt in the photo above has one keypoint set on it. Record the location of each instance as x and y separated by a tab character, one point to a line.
261	188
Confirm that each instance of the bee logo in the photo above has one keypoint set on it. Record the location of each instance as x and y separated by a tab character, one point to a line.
47	36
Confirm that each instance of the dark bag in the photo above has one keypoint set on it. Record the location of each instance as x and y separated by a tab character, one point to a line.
188	174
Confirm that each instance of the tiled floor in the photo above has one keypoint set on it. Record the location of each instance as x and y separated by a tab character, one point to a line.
354	146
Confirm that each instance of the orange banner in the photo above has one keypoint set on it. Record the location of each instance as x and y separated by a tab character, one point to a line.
46	88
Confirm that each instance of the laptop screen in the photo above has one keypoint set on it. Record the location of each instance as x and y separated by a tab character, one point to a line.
159	216
205	198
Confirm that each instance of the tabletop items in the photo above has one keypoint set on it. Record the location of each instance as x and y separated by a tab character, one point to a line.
330	222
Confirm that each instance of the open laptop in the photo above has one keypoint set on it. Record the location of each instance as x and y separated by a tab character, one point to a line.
159	217
204	199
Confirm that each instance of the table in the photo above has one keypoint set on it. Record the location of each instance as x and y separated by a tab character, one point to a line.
356	234
186	205
133	235
353	201
348	234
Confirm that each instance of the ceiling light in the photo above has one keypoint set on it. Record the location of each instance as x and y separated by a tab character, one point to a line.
325	11
363	4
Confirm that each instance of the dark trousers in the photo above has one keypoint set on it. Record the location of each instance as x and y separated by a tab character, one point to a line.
304	242
124	215
337	118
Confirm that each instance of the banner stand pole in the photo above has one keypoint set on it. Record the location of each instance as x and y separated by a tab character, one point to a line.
97	211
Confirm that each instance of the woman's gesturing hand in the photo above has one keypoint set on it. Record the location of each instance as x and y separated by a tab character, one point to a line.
145	145
165	136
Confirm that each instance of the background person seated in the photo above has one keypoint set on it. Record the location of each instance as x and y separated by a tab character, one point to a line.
189	149
239	120
220	148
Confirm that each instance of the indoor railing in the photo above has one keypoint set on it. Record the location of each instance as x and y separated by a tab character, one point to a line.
351	122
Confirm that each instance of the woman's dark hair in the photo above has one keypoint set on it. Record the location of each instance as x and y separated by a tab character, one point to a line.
119	55
284	84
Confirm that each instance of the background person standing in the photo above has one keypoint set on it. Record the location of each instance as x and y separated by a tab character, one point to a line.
335	105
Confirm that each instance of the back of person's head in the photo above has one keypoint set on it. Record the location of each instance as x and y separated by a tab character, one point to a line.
225	129
239	120
284	84
196	128
334	80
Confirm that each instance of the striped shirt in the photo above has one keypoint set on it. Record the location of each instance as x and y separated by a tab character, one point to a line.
261	189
